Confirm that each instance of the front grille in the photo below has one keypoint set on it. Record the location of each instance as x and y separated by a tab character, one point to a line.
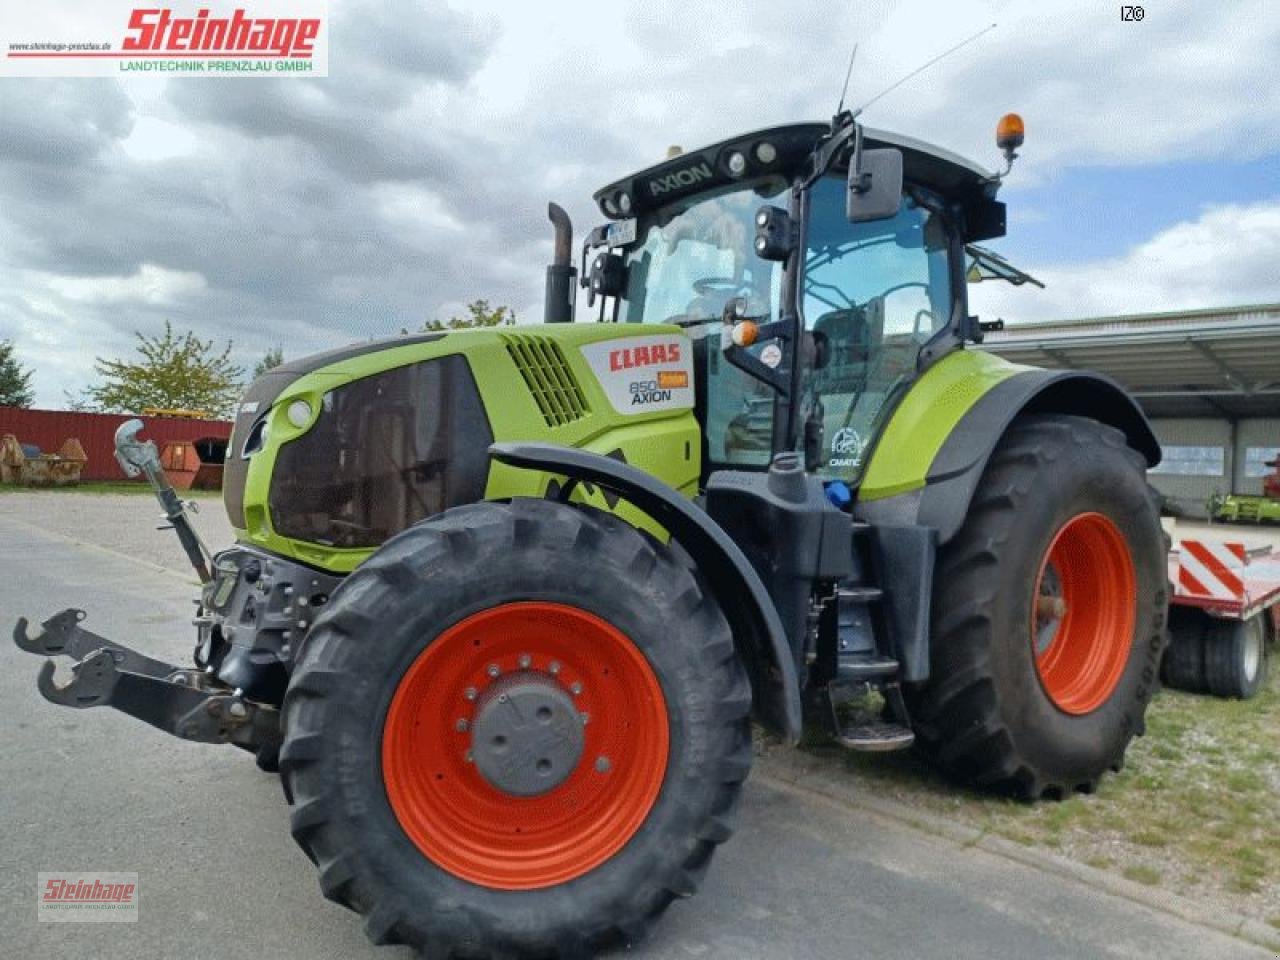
548	377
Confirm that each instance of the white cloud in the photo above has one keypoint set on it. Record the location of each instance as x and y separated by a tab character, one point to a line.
150	285
1227	256
415	177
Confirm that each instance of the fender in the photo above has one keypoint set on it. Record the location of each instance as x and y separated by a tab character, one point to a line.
942	500
757	628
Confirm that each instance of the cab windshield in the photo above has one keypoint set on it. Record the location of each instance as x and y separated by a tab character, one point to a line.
687	263
871	295
685	266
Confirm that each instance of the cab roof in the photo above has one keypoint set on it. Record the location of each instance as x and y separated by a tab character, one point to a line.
947	174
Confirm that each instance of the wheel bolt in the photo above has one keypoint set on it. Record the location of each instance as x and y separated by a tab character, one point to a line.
1050	607
575	688
603	764
469	693
462	725
467	757
493	670
525	660
585	718
554	667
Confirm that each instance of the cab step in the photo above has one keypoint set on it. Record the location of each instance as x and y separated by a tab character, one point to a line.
856	668
876	737
860	594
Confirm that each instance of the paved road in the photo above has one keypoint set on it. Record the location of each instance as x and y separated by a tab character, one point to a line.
220	877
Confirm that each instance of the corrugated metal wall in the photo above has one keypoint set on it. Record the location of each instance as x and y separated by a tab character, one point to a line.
1256	441
47	429
1199	459
1205	455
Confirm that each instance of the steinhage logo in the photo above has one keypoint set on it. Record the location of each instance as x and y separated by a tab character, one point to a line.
239	33
186	38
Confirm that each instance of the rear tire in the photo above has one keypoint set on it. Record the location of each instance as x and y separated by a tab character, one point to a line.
1183	667
411	831
1235	657
1048	614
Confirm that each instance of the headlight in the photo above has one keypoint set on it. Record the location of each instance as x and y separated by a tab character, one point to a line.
257	438
299	413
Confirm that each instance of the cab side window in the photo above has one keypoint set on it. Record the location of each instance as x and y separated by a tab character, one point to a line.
873	294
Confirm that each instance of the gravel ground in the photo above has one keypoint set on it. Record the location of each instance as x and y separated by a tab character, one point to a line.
806	879
122	522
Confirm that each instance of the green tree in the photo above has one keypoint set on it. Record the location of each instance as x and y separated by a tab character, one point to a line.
271	359
174	372
479	314
15	383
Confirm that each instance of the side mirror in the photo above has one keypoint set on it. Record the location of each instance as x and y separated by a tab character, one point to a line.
875	185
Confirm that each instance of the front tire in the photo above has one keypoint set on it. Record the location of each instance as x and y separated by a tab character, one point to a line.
1048	614
518	730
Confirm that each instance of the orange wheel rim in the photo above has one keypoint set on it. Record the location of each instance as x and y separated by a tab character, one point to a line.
1083	612
463	822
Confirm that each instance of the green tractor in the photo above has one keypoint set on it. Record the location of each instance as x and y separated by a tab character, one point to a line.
504	602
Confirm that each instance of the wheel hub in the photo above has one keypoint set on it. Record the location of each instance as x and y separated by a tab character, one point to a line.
1084	607
527	737
460	804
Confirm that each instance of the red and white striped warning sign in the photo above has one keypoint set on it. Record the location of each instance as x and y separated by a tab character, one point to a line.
1207	568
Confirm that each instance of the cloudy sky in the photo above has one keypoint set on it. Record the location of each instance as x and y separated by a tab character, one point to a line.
308	213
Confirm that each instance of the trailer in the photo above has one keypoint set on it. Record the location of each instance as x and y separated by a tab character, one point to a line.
1222	616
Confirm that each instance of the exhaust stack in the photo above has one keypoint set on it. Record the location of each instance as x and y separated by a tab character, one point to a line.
561	274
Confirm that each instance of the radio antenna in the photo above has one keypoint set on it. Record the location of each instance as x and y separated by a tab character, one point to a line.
847	74
923	67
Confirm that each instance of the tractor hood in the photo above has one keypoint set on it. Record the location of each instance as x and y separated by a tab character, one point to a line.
262	393
332	454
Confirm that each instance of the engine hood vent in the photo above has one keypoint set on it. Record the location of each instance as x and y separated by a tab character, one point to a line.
547	375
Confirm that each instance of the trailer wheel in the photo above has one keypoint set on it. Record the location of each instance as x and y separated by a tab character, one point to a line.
1235	657
1183	666
518	730
1048	614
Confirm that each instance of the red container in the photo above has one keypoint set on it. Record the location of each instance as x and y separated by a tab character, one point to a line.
196	465
47	429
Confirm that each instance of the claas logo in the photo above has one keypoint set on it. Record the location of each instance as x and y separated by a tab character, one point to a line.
631	357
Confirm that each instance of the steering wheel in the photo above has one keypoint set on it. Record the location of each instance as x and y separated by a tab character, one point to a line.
903	286
927	316
709	285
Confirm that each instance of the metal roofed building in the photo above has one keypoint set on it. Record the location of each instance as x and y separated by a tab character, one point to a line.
1208	379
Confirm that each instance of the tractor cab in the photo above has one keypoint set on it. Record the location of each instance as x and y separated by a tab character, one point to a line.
814	296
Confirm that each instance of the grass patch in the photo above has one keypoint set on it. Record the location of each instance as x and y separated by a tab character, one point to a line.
1140	873
1197	795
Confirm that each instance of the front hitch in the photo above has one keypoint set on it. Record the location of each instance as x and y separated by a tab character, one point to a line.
140	458
186	703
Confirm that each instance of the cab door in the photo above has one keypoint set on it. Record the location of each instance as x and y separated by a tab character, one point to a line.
872	295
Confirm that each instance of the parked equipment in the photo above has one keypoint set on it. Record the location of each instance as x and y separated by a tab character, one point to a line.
504	601
1243	508
25	465
195	464
1222	621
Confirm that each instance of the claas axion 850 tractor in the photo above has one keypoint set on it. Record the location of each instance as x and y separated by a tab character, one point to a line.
504	602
